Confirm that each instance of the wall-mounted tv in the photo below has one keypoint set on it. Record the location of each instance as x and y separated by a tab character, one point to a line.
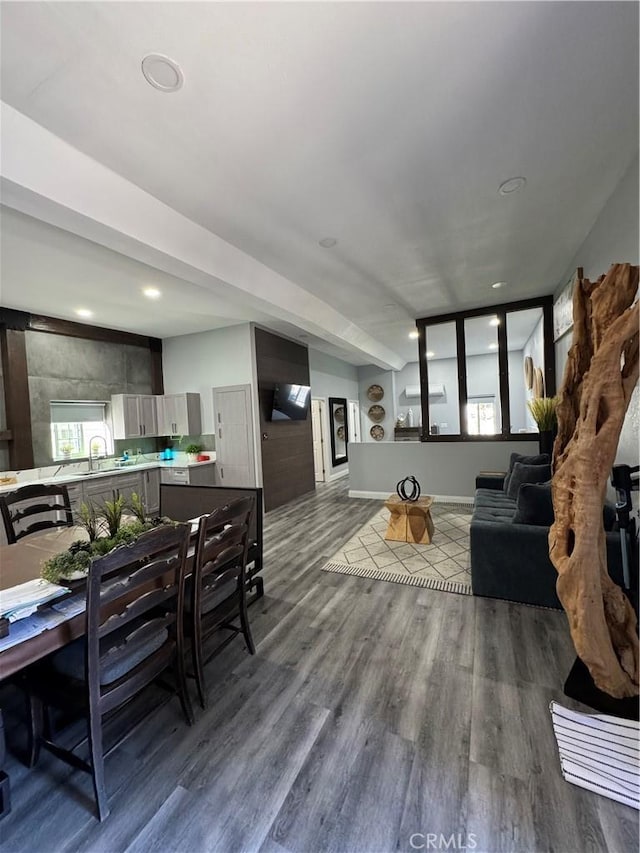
291	402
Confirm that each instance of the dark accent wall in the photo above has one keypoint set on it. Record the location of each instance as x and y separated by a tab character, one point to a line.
287	449
45	358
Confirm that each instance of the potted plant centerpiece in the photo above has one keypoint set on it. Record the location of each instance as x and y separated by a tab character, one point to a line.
66	450
192	451
543	411
109	525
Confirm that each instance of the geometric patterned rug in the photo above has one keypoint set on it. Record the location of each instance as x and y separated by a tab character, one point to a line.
443	565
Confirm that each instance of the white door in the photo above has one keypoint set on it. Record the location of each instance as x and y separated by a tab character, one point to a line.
317	422
234	431
353	407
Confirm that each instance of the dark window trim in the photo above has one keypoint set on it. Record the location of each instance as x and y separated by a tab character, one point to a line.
458	317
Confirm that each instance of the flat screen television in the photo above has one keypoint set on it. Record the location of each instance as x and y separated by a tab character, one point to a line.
291	402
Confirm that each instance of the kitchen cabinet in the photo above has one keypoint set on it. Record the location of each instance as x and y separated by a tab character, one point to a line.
99	491
196	475
179	414
125	485
134	415
151	491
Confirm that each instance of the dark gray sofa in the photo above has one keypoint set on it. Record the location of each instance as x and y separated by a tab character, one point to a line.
511	561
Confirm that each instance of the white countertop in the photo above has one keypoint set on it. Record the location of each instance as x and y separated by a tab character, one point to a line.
79	473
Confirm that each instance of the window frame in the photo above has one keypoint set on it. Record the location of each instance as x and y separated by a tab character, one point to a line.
458	317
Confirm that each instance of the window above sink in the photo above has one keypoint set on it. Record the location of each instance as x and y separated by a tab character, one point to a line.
76	424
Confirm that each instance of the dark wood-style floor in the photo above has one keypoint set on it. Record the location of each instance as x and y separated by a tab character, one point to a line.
370	713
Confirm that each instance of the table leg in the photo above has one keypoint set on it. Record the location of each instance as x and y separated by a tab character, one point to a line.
397	529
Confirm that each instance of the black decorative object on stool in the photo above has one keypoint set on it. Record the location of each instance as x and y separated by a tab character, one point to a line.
401	489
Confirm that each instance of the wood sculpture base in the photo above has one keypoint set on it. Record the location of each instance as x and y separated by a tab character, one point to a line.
410	521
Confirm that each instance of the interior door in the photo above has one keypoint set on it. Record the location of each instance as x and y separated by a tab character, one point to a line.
354	420
317	421
234	444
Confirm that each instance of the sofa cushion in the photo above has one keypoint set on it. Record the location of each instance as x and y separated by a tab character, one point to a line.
534	505
526	474
538	459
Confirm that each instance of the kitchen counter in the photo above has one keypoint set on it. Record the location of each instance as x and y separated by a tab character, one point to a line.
81	474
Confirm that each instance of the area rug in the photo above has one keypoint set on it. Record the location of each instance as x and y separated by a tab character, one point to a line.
443	565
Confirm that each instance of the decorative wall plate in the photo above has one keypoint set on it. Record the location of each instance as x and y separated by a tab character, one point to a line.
338	414
528	372
376	413
375	393
340	433
377	432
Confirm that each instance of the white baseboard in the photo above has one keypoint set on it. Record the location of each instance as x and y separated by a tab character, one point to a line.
442	499
336	476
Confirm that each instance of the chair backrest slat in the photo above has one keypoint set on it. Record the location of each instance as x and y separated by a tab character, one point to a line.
221	551
134	582
17	505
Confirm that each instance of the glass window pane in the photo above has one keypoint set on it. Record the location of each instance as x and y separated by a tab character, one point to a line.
442	366
525	346
483	412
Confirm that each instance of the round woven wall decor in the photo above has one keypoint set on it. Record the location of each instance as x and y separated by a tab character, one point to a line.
538	383
528	372
377	432
338	414
375	393
376	413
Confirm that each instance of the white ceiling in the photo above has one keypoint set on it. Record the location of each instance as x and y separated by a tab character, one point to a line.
388	126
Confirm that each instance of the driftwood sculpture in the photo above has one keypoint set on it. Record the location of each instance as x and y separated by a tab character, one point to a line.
599	378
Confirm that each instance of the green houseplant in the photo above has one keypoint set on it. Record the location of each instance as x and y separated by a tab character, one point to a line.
192	451
543	411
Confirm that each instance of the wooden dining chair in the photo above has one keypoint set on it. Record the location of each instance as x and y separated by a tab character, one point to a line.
32	508
217	588
134	631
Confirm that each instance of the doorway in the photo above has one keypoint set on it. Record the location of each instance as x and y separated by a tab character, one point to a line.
354	420
318	426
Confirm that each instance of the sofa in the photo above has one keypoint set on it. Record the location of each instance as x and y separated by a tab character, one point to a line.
510	559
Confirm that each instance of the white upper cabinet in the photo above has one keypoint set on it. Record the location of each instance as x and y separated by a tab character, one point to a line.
134	415
179	414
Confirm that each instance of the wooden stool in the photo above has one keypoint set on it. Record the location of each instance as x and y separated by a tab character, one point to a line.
410	521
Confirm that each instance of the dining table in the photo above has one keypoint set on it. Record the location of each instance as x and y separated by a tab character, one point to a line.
62	620
21	562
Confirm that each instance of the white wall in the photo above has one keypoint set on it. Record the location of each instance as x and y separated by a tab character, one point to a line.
371	375
206	360
613	239
445	411
442	468
332	377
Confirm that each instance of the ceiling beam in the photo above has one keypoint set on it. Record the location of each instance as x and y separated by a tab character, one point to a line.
45	177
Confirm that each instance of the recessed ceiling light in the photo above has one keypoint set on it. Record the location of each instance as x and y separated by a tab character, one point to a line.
430	353
512	185
498	284
493	345
152	292
84	312
494	321
162	73
328	242
415	334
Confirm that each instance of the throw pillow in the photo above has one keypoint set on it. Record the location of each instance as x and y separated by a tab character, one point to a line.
526	474
539	459
534	505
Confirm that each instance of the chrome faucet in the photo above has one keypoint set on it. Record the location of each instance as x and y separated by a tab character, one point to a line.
91	440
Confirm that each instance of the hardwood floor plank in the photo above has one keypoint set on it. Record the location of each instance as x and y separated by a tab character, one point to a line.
370	711
350	792
499	818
